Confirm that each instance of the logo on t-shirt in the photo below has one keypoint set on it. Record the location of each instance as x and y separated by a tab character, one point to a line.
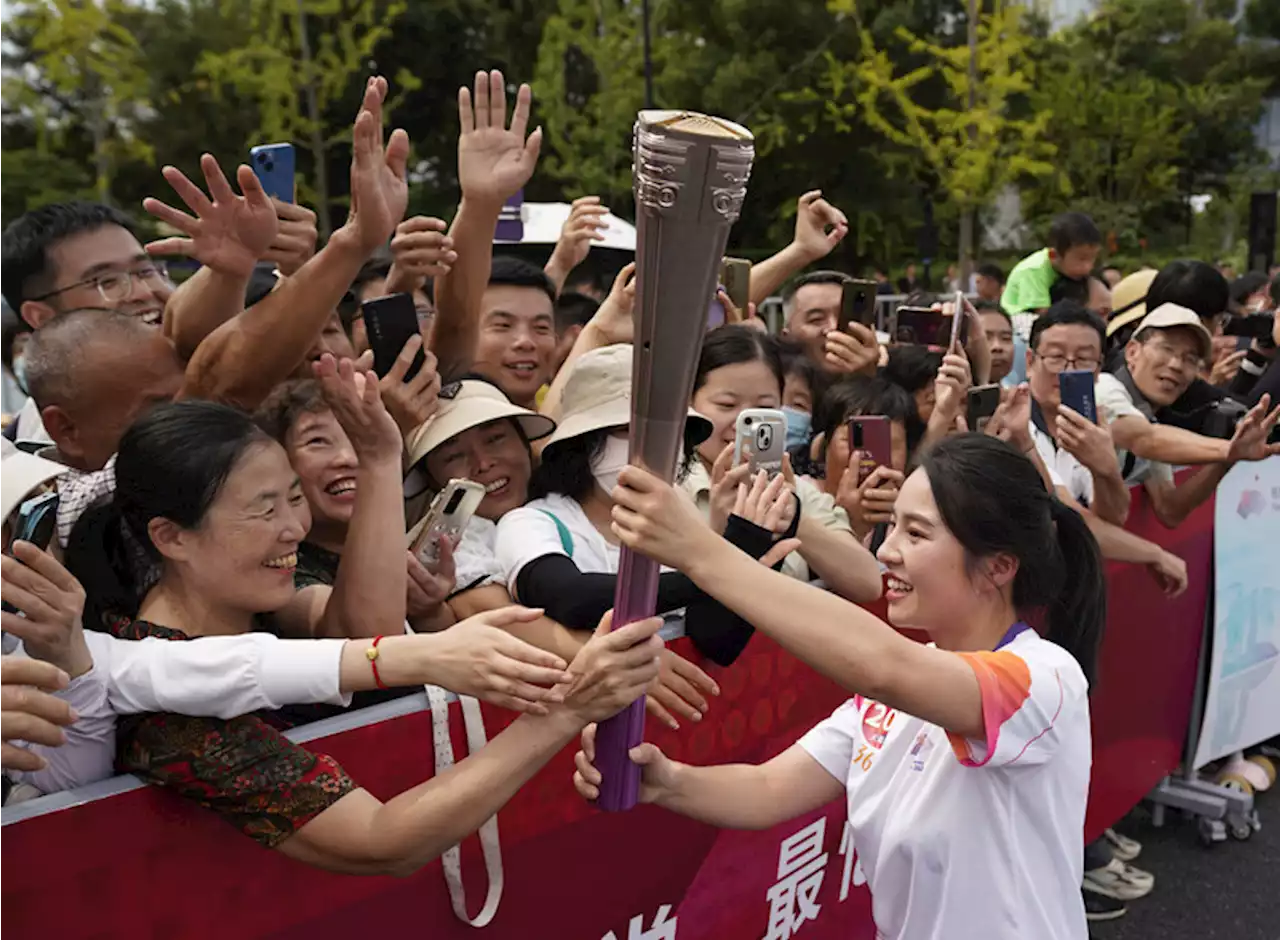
876	723
920	750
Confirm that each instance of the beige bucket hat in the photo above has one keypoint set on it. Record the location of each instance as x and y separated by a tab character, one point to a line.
468	404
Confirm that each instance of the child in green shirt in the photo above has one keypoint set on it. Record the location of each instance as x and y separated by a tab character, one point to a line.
1074	243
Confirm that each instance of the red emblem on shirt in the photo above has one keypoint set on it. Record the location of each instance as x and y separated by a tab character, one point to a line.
876	723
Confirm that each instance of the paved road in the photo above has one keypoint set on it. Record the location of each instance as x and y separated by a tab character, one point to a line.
1228	892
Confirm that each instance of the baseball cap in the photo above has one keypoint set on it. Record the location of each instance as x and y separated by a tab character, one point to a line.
1168	316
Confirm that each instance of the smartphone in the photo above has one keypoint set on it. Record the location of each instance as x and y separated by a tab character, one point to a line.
735	274
1255	326
961	336
391	322
1076	390
273	164
36	520
448	516
857	304
983	400
764	432
715	310
870	443
920	326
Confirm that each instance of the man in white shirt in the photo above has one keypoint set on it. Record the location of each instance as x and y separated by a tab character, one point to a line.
1162	359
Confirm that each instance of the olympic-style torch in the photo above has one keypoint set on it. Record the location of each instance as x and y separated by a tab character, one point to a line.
690	176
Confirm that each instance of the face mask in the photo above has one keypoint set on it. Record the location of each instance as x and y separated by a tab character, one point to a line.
798	425
20	372
610	461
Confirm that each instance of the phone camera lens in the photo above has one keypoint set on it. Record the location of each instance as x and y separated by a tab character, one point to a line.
269	164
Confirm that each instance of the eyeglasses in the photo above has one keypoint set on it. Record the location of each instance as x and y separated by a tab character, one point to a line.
117	286
1056	362
1186	360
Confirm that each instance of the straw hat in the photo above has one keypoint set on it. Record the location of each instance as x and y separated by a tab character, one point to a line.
1129	299
1167	316
23	474
468	404
597	395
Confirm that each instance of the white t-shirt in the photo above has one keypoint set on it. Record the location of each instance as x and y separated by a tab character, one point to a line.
528	533
972	838
475	559
1064	469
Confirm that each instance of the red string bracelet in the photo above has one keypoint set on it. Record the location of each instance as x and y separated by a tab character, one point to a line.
372	653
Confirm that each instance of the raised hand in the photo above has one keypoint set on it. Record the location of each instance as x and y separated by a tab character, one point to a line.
856	352
820	226
583	226
681	687
615	319
952	386
1012	419
1249	442
770	504
427	589
379	186
650	517
53	601
870	502
1170	573
411	403
420	250
494	161
478	657
28	712
354	399
295	241
725	480
1089	443
228	233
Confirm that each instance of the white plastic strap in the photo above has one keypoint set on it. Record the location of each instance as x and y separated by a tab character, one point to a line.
489	845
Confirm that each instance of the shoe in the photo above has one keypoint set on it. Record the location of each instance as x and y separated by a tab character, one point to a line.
1119	880
1122	847
1099	907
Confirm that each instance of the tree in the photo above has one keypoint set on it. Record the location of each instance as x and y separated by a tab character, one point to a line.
81	70
298	59
589	84
976	140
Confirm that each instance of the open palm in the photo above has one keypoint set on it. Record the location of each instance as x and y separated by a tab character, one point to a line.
494	161
229	233
379	185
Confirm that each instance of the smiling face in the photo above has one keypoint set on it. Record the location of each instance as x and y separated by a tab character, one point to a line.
106	252
815	312
517	341
928	585
494	455
326	464
725	393
243	553
1164	363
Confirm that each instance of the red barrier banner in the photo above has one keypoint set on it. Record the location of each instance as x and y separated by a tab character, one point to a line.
144	863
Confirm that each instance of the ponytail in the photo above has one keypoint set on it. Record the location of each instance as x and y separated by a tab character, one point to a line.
1077	613
102	560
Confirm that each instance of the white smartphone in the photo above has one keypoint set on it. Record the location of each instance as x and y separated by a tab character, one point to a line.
448	516
763	432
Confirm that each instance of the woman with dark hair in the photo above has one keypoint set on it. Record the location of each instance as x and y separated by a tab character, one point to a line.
741	368
558	552
965	763
204	496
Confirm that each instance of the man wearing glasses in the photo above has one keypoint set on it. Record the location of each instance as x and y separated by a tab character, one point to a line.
1165	355
76	256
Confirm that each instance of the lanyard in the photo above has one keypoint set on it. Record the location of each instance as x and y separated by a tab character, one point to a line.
1012	633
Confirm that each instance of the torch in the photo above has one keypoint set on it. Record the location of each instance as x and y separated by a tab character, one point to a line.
690	176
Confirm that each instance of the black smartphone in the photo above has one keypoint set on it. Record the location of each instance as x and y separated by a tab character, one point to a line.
921	326
857	304
1256	326
982	402
36	520
391	322
1076	391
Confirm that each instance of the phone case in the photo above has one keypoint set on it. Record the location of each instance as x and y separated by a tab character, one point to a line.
37	518
448	517
736	274
870	442
857	304
273	164
920	326
1076	389
390	322
981	404
764	432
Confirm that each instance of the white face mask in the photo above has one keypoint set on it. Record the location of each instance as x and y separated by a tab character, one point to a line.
609	463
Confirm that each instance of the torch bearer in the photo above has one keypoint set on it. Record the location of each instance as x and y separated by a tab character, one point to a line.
690	176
